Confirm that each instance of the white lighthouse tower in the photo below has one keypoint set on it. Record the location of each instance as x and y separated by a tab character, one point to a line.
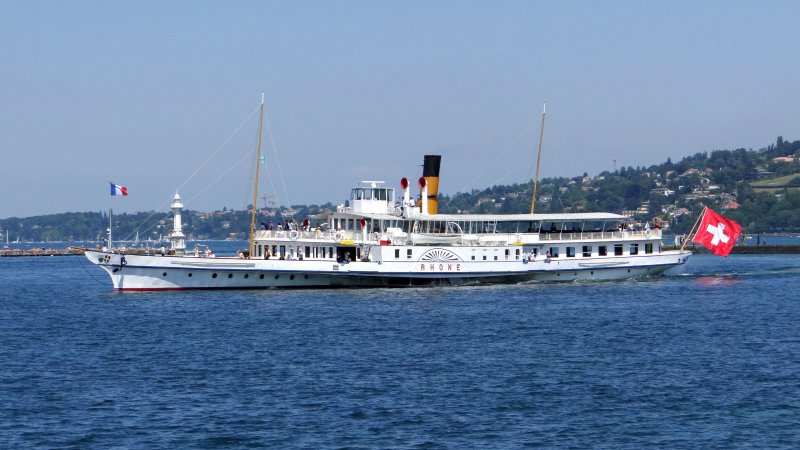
176	236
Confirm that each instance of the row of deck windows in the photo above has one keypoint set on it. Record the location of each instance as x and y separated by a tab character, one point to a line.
602	250
315	252
303	252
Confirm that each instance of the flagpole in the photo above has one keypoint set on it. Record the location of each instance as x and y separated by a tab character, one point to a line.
110	211
696	222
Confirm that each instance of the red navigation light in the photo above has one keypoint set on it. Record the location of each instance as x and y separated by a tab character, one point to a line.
422	182
363	223
404	183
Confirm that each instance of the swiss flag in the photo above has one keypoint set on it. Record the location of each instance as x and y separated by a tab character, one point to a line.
718	233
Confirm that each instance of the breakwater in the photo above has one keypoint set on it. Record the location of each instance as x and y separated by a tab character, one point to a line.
746	249
68	251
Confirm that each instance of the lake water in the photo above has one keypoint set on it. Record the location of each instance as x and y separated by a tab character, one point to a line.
708	356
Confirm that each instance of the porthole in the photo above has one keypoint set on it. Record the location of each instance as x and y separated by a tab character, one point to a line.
213	275
291	277
190	274
164	274
277	276
261	276
246	276
305	276
230	275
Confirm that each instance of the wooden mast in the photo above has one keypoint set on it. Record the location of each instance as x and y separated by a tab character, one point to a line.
538	160
255	187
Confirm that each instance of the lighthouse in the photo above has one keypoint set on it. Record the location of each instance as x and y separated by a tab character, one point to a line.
176	236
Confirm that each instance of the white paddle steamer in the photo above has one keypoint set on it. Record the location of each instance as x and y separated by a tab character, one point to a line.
377	239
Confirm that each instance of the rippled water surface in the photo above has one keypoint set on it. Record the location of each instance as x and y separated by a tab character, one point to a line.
706	357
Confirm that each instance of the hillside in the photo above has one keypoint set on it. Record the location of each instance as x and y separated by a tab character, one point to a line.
759	189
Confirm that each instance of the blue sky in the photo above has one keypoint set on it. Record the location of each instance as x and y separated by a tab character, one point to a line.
144	93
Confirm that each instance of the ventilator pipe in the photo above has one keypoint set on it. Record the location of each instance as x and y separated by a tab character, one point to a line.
406	194
363	224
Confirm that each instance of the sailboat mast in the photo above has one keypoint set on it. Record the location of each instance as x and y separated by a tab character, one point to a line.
538	160
255	187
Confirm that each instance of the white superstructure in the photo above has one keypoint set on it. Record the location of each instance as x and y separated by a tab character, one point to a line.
378	241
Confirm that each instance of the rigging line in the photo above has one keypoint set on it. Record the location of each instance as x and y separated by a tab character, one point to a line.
156	222
221	146
218	149
141	224
515	169
251	178
271	181
208	186
234	165
277	160
91	275
502	153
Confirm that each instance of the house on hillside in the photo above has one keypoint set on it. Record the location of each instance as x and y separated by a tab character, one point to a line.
730	204
681	212
666	192
689	171
763	172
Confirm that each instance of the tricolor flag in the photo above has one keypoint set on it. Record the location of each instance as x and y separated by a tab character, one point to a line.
718	233
118	190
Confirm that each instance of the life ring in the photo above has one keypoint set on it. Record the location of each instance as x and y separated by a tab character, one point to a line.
339	235
293	235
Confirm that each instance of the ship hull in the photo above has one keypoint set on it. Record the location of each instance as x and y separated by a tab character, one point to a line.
156	273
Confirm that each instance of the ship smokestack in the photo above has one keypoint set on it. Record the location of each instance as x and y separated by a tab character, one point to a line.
430	170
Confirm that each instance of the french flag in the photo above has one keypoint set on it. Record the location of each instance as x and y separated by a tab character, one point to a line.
118	190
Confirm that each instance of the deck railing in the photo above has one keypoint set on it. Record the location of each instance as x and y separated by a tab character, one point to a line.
601	235
479	239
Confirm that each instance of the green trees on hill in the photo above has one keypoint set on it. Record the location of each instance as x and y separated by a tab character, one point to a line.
672	192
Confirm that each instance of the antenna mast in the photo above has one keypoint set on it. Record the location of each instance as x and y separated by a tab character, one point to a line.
538	160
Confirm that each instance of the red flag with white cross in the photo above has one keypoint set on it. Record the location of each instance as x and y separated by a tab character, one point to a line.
718	233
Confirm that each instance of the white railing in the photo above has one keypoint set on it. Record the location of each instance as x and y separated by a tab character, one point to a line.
601	235
487	239
308	235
